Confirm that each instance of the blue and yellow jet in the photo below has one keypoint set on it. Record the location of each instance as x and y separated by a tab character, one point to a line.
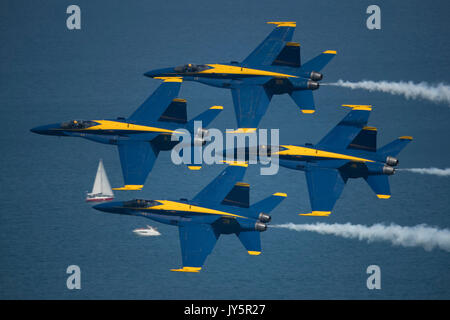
349	150
222	207
141	136
274	67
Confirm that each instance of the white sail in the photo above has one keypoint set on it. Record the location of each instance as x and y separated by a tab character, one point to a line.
101	184
106	187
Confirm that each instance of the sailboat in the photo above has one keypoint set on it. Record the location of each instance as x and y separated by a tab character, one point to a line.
101	191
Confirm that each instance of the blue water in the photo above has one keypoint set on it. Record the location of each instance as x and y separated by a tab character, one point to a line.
50	74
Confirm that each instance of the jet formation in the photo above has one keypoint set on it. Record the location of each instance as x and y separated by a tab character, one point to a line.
274	67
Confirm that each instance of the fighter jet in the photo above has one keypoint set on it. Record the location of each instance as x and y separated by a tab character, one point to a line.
143	135
274	67
222	207
349	150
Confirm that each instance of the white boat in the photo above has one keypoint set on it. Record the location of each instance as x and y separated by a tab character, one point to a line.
146	232
101	191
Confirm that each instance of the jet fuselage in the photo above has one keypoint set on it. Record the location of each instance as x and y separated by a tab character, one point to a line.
279	79
225	219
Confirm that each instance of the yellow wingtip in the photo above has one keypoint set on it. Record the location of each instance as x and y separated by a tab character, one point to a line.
194	167
330	52
316	214
242	184
131	187
308	111
383	196
236	163
187	269
254	253
283	23
280	194
217	107
406	138
358	107
241	130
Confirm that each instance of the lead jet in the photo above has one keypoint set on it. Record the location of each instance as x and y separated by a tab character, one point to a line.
274	67
141	136
349	150
222	207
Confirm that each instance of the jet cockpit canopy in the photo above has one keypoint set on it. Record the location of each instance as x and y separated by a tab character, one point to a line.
140	203
78	124
191	68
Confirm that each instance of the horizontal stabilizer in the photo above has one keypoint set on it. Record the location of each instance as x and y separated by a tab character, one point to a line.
289	56
175	112
304	100
251	241
380	185
319	62
394	148
366	140
239	196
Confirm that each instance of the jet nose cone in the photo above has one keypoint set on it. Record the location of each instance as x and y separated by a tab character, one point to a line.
41	130
108	207
165	72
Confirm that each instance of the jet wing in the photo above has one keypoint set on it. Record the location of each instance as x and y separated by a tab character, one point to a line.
197	240
325	187
155	105
220	187
270	48
137	159
250	104
343	134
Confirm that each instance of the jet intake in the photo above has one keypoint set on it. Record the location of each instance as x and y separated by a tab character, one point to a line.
264	217
391	161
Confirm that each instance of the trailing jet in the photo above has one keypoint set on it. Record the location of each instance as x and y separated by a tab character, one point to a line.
222	207
349	150
274	67
141	136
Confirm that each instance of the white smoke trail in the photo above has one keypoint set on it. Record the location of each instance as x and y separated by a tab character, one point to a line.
418	236
433	171
410	90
